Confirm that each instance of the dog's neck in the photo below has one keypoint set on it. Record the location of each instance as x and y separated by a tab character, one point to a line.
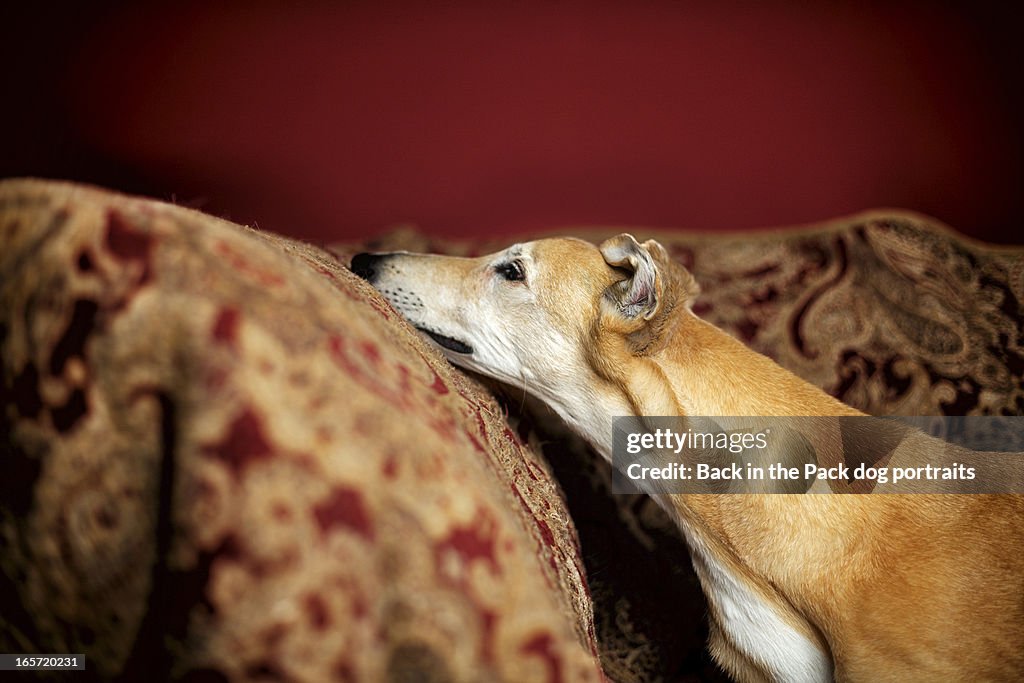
701	371
704	371
587	404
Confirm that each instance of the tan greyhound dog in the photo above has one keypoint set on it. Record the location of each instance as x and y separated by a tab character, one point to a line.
800	587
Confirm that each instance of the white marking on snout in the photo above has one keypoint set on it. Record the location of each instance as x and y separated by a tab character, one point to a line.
405	301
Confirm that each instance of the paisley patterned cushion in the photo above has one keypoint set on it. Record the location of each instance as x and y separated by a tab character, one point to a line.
224	457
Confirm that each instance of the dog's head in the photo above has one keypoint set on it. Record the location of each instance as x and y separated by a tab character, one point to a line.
540	313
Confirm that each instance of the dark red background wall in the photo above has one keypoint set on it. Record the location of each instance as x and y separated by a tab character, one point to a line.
335	120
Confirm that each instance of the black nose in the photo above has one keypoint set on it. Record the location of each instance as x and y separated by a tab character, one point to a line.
365	265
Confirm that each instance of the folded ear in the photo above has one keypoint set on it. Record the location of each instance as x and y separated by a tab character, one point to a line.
654	286
639	295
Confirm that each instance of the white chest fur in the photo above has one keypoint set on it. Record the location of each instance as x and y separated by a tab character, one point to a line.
753	627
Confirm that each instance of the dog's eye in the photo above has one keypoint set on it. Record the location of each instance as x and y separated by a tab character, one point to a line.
512	271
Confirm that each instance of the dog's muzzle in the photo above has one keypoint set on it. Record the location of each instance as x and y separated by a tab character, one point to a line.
367	266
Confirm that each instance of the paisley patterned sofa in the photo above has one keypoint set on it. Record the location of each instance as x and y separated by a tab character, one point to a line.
224	457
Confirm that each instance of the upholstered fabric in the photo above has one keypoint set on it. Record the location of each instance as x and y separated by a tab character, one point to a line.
224	457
